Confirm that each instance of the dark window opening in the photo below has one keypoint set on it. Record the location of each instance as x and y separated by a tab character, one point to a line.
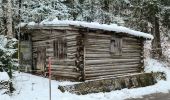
60	48
116	46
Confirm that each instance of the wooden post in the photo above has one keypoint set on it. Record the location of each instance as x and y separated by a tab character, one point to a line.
84	55
49	71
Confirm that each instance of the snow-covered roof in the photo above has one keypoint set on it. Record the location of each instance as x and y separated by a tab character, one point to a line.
93	25
4	76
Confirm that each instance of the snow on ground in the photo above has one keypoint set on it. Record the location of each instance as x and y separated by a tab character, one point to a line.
30	87
4	76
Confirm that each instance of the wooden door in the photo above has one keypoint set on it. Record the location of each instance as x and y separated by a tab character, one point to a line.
41	58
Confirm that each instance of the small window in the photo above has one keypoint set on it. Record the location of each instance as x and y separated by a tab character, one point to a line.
116	46
60	48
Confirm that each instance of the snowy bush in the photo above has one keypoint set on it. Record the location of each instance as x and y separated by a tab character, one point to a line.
7	49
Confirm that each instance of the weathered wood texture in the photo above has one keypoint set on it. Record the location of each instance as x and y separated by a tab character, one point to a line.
61	46
25	56
86	54
101	62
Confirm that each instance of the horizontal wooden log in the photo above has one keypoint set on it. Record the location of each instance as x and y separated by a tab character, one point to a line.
65	74
98	35
70	62
71	32
63	70
132	46
71	51
39	45
131	39
71	54
110	76
71	37
88	62
107	49
45	42
62	66
108	44
98	43
50	54
47	36
102	40
71	57
115	64
103	55
72	42
111	56
95	43
102	70
49	49
131	43
98	67
92	40
111	73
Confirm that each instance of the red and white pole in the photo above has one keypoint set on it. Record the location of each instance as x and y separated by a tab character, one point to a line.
49	72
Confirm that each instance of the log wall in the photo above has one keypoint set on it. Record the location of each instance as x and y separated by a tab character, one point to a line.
61	68
101	63
88	54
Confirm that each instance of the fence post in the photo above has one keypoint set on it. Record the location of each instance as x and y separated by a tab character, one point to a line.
49	72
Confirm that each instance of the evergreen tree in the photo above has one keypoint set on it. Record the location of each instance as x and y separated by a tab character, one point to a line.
7	62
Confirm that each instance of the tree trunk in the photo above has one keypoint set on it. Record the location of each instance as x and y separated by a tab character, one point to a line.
156	43
9	19
7	15
4	2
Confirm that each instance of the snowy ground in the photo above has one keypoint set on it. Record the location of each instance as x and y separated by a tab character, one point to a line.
30	87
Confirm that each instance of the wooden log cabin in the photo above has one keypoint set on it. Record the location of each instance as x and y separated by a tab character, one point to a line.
85	51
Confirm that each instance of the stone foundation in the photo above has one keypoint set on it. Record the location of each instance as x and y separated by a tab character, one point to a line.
107	85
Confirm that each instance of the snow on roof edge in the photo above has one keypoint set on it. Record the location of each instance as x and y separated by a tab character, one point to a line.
95	25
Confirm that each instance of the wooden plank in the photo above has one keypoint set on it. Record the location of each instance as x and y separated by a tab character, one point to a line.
88	62
65	74
70	62
111	56
109	70
111	73
112	68
132	46
62	67
71	32
115	64
98	35
109	76
84	59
